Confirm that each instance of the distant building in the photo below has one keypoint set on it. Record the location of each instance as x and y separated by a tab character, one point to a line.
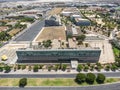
118	14
69	30
67	13
53	21
75	32
81	22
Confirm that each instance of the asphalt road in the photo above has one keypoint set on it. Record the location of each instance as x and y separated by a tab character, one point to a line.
100	87
113	74
30	33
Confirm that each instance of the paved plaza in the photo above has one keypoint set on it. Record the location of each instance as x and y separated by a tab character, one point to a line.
107	55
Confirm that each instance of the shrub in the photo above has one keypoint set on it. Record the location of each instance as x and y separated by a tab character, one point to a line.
80	78
90	78
79	68
100	78
23	82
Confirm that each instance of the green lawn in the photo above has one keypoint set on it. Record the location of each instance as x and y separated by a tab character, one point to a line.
48	82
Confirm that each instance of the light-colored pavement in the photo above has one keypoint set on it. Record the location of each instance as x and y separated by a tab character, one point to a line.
54	75
107	55
10	51
59	72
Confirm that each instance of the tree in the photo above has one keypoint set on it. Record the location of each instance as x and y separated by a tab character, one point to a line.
98	64
19	67
23	82
88	64
41	66
47	43
7	68
107	68
92	67
1	69
64	66
29	68
79	68
18	25
114	67
27	19
81	38
100	78
90	78
86	68
23	67
15	68
80	78
19	6
57	67
49	68
98	68
69	36
35	69
4	36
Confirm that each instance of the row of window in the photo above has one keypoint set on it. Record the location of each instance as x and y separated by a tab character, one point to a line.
56	53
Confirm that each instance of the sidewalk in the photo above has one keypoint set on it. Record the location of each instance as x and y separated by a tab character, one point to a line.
54	72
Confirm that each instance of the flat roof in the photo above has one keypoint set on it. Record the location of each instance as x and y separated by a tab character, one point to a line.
74	31
70	49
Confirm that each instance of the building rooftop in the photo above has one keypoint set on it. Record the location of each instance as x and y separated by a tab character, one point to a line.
65	49
74	31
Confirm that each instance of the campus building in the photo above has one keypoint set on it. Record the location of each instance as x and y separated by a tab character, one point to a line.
58	55
52	21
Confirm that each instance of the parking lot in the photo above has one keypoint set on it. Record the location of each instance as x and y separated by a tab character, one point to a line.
30	33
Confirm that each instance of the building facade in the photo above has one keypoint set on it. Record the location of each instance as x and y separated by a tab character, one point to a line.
58	55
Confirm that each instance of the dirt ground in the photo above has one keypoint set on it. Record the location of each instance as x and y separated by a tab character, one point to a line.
55	11
52	33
